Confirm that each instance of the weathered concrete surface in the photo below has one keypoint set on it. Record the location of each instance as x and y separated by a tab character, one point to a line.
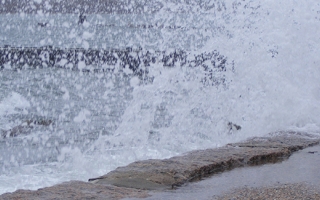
295	178
175	171
127	182
75	190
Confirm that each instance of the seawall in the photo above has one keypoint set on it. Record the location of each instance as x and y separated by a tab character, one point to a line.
142	177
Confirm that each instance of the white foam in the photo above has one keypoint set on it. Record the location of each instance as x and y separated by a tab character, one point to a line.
12	104
274	86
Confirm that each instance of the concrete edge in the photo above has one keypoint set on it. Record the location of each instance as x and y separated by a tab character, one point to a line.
170	173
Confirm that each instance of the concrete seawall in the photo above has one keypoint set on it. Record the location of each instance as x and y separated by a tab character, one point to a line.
92	6
141	177
136	61
97	6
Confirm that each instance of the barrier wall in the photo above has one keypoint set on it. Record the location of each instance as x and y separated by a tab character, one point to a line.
107	60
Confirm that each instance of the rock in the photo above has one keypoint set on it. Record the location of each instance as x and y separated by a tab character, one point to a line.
41	24
76	190
82	18
233	127
155	174
22	129
26	127
40	122
169	173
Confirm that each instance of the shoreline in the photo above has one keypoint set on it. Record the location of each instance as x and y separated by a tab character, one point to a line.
179	174
294	178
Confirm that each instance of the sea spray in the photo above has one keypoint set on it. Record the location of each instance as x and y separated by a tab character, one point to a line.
105	120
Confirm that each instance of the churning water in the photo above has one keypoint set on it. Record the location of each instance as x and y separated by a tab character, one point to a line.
216	65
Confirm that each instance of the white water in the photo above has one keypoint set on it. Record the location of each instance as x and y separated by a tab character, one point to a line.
274	86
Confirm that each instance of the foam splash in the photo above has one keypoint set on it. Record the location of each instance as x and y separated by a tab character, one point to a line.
273	86
12	104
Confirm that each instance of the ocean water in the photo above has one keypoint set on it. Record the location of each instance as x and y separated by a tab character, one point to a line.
104	120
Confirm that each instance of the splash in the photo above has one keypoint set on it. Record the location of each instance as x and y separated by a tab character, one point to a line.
235	69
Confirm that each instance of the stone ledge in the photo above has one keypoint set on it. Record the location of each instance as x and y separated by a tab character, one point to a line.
135	179
169	173
76	190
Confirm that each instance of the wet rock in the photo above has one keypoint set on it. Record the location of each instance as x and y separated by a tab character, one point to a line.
21	129
26	127
155	174
40	121
41	24
76	190
169	173
233	127
82	18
